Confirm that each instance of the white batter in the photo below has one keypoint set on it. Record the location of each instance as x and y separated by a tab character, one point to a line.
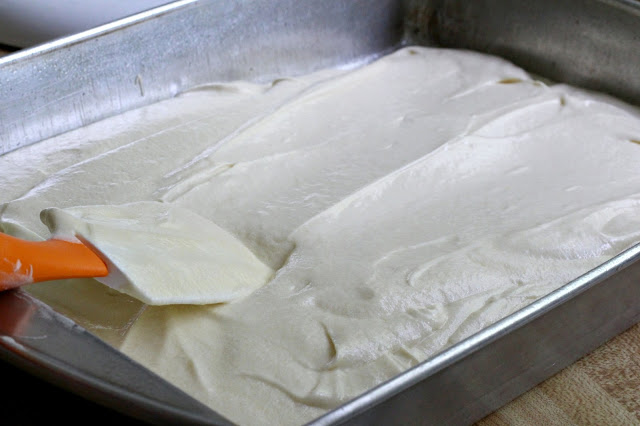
404	205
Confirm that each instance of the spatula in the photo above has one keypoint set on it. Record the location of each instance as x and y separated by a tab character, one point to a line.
25	262
158	253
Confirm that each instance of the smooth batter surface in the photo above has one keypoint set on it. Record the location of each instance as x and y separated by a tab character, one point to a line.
404	205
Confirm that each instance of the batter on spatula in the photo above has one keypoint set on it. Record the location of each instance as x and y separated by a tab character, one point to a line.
162	254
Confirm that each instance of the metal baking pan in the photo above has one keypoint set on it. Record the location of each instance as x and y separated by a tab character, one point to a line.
70	82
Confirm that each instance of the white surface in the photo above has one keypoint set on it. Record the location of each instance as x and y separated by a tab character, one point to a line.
25	23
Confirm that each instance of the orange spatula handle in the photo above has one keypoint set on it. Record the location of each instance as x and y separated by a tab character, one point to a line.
23	262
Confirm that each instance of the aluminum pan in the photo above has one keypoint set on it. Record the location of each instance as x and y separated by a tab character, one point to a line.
157	54
588	43
63	85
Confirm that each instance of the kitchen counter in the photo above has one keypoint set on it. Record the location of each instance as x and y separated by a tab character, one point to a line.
601	388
